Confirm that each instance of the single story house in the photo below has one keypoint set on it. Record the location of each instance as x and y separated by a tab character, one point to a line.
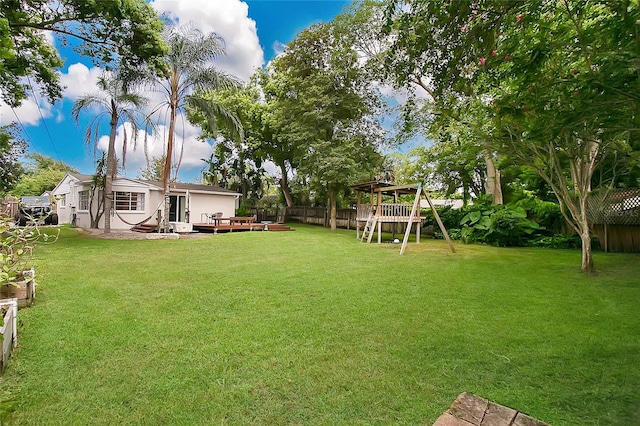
135	201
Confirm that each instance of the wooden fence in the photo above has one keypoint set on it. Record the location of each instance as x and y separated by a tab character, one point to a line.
9	207
615	218
345	218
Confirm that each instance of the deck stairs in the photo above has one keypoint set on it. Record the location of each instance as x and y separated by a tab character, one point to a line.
277	227
369	228
145	228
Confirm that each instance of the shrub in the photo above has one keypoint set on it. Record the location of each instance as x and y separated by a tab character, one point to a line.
557	241
529	221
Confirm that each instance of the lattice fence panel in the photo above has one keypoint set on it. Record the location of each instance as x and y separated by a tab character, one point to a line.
615	207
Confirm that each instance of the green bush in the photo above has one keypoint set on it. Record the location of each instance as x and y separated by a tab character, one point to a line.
557	241
545	213
504	225
527	222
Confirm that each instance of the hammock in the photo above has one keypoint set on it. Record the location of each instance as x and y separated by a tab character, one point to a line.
133	224
139	223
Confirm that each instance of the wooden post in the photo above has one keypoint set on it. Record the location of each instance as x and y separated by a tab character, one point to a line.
415	209
416	202
440	224
159	219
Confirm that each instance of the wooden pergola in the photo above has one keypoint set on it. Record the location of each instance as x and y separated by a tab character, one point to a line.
372	215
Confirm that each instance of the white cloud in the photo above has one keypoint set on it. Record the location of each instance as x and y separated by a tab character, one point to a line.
27	113
228	18
279	47
79	80
185	136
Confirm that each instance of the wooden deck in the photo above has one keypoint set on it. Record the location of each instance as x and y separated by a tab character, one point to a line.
226	227
222	224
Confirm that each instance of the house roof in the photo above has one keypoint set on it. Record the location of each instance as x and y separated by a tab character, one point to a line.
158	185
81	177
191	187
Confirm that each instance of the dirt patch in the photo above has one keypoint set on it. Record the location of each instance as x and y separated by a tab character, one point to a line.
120	234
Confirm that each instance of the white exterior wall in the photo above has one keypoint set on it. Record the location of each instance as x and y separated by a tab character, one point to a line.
152	198
64	190
200	204
83	218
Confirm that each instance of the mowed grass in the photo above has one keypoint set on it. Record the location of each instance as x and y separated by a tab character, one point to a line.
314	328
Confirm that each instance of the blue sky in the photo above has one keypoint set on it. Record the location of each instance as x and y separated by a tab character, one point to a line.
254	32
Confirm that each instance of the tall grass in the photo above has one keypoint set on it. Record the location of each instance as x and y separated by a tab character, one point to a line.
309	327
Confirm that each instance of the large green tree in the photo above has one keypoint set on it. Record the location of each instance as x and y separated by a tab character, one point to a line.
116	102
559	77
126	31
278	144
236	162
322	103
430	52
567	96
42	174
11	149
189	69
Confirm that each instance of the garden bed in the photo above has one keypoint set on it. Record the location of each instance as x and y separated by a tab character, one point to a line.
8	330
23	291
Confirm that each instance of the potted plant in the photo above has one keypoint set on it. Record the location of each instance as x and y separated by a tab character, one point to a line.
17	278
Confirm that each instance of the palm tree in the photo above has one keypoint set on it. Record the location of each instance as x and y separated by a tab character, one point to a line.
119	104
190	69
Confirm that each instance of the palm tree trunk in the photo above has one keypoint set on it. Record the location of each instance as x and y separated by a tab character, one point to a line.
111	171
166	173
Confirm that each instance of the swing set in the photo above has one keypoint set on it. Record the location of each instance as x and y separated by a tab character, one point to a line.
371	216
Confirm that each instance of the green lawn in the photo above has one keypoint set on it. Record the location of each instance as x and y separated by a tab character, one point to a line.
309	327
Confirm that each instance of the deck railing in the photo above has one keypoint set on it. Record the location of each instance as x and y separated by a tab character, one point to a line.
387	212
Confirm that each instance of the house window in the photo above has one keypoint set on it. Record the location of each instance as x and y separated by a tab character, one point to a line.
130	201
83	200
62	200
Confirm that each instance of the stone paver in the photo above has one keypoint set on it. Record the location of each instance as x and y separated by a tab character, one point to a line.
472	410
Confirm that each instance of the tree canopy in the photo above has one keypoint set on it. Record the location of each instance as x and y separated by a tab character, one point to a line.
11	149
108	31
321	103
41	174
558	78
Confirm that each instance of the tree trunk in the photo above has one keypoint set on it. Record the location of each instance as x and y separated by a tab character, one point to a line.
465	193
492	185
333	210
284	185
111	170
166	172
587	255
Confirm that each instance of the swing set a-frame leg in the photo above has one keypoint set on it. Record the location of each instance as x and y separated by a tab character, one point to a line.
416	210
440	224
